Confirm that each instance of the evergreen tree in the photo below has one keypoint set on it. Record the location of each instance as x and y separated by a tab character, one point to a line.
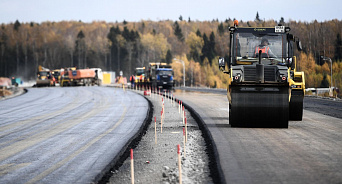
180	18
80	35
126	34
168	57
338	48
205	49
16	25
198	33
212	43
257	18
208	49
114	46
281	21
325	82
80	50
220	29
178	32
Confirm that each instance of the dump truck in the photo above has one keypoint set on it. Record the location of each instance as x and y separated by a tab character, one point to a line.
45	77
160	75
264	88
81	77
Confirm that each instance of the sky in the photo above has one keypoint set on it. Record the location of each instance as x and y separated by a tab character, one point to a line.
136	10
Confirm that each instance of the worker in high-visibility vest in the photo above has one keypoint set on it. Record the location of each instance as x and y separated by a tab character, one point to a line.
132	80
265	49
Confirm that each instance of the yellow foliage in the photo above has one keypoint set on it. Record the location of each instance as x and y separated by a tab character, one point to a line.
306	63
156	44
195	43
325	68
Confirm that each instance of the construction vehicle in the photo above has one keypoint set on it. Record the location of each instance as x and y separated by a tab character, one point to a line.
139	76
98	76
45	77
263	90
16	81
56	74
160	75
81	77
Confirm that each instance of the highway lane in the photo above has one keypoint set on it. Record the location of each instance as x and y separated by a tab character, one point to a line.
309	151
65	135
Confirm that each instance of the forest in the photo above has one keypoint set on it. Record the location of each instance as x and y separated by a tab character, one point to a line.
122	46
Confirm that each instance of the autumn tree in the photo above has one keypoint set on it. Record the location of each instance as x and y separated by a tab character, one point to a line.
195	43
155	46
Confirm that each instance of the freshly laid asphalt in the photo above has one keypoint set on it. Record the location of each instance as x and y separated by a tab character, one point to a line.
309	151
66	135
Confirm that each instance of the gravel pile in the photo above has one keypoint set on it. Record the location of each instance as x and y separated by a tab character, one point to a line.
158	162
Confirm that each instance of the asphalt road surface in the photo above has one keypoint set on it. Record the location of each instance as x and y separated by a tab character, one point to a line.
309	151
65	135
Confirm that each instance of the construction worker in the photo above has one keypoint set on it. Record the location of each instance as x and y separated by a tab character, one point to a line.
265	49
132	79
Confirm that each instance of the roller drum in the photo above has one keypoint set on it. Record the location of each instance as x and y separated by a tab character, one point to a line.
259	106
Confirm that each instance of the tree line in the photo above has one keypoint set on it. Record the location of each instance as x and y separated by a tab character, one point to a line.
122	46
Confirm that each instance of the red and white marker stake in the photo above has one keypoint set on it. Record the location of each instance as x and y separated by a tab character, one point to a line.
186	130
155	129
179	164
184	141
172	99
132	167
179	106
163	108
183	115
161	121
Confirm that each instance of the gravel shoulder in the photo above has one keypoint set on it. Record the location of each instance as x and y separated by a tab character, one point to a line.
158	162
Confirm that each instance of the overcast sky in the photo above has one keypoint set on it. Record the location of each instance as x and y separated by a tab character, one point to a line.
137	10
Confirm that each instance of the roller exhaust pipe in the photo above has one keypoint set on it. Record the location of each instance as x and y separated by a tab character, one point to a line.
260	70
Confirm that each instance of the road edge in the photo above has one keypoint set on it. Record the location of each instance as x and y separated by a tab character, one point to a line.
104	176
214	161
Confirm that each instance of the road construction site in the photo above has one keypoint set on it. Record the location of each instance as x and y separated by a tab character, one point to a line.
85	134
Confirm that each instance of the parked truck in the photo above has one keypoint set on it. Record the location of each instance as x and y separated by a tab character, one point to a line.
160	75
81	77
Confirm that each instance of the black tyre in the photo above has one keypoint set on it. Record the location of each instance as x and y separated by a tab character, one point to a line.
296	106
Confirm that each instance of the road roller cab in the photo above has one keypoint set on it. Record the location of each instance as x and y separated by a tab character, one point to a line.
264	88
